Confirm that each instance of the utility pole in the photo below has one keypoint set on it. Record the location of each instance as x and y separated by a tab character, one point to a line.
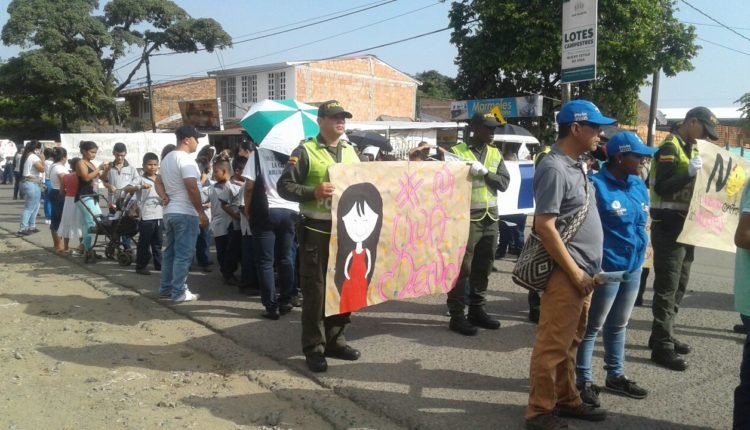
565	93
652	108
150	94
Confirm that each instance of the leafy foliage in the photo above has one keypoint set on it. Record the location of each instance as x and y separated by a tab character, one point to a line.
435	84
745	108
513	48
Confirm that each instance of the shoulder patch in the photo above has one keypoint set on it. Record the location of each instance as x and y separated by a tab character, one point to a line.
666	158
292	160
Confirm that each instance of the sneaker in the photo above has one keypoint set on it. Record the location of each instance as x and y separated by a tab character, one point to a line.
479	318
21	233
48	221
589	393
271	314
626	387
187	296
285	308
546	422
32	230
669	359
296	301
582	412
460	325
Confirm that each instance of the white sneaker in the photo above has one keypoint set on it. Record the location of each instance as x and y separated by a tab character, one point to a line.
187	296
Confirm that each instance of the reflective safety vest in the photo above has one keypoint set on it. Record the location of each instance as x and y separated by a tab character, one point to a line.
538	157
481	196
319	160
679	201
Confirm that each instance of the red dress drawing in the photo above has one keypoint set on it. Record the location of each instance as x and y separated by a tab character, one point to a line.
354	289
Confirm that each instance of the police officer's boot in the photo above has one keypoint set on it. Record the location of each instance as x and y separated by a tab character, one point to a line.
460	325
478	317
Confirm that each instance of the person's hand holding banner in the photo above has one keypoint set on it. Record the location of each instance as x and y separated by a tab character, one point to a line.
478	169
696	163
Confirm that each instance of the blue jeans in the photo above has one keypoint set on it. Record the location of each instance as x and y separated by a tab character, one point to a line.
47	201
202	244
87	219
32	194
181	234
742	392
273	243
611	306
248	267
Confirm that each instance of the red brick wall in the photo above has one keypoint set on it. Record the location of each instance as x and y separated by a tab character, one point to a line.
166	97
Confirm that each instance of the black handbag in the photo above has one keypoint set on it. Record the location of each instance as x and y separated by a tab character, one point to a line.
535	265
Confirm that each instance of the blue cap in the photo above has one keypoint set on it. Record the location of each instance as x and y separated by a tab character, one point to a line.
627	141
582	111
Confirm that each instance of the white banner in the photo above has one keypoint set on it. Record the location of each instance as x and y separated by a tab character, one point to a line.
138	144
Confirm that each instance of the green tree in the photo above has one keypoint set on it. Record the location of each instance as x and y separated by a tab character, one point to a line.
745	109
435	84
67	70
512	48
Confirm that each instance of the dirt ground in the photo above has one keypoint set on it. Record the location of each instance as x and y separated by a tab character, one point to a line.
79	353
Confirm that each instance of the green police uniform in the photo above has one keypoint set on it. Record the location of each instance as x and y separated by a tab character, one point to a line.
671	192
480	249
307	168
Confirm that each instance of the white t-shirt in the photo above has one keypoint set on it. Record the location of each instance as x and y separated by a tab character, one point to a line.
175	167
220	219
29	170
149	202
47	167
54	174
271	169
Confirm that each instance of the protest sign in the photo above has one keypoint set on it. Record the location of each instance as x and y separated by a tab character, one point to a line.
715	206
137	144
399	231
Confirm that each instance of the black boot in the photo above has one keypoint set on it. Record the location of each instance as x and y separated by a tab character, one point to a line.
478	317
460	325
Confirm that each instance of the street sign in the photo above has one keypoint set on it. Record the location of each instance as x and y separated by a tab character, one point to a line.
579	24
509	107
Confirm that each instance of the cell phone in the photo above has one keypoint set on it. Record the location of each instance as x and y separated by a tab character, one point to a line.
224	202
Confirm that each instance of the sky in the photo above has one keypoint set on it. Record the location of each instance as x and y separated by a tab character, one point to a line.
717	80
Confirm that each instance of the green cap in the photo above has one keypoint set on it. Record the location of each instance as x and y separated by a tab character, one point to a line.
330	108
708	119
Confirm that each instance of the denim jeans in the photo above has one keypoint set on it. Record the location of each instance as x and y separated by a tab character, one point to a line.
181	233
742	392
87	219
47	201
511	237
273	243
611	306
149	243
32	194
248	266
202	244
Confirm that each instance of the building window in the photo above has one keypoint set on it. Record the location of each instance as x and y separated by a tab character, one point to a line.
228	94
253	88
244	90
277	85
249	89
145	105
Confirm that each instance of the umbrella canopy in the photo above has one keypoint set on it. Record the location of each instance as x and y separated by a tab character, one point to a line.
512	129
514	133
364	138
280	125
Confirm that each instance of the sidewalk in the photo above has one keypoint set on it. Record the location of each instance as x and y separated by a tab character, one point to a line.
414	372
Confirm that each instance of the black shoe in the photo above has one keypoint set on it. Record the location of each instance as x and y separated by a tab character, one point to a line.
739	328
460	325
582	412
344	353
479	318
285	308
271	314
626	387
143	271
316	362
679	347
534	315
296	301
669	359
546	422
589	394
639	301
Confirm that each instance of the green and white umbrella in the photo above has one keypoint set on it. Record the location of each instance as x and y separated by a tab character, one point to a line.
280	125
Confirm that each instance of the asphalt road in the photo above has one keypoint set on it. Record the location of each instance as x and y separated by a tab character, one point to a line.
415	373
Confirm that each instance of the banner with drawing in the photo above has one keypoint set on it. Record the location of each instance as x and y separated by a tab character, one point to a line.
715	207
399	231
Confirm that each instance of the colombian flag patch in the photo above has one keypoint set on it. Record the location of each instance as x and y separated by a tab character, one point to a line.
292	161
666	158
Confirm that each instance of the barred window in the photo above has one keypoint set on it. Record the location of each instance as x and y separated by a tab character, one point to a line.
244	89
277	85
253	88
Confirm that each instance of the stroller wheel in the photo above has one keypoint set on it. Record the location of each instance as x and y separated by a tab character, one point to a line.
124	258
109	252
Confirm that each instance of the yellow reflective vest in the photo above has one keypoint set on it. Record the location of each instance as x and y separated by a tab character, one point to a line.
680	200
319	160
481	196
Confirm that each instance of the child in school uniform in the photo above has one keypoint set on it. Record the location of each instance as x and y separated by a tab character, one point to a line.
203	241
224	210
249	275
150	208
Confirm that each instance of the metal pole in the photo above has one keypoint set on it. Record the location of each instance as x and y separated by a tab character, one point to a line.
150	95
565	93
652	108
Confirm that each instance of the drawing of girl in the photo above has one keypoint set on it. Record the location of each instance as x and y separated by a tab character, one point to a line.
360	217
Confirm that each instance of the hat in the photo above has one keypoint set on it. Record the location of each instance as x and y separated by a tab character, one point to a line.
486	119
705	116
187	131
330	108
627	141
371	150
582	111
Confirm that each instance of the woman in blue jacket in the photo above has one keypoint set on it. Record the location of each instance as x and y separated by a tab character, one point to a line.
622	201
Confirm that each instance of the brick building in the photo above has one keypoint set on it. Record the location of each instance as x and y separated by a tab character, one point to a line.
165	100
365	85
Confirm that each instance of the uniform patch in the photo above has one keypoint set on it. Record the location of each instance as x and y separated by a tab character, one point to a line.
666	158
292	160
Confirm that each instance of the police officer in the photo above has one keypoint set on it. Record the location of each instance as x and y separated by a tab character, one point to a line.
305	180
489	176
674	169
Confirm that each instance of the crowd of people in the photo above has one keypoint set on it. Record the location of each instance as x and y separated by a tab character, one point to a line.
269	217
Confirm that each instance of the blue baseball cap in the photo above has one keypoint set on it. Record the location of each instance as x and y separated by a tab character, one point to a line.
582	111
627	141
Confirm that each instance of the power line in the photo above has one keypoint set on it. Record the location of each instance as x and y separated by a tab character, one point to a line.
714	25
716	21
723	46
294	28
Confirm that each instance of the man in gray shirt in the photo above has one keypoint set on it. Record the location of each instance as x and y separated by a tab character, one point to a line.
560	185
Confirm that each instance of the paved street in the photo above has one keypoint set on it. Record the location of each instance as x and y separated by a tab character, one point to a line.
415	373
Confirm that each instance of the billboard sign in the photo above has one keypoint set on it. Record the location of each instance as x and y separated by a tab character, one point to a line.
510	107
579	24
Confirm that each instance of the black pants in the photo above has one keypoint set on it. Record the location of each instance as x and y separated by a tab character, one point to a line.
228	251
16	185
149	243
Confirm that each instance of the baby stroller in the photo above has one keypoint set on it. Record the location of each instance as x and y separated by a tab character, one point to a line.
119	226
